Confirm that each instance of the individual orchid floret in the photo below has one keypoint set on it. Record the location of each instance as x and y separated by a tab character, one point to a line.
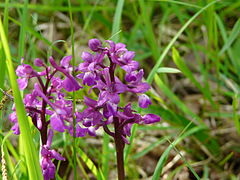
25	72
48	167
13	118
70	83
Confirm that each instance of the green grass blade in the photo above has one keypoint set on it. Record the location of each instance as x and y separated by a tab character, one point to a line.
235	105
223	32
168	70
44	8
5	17
176	100
187	72
164	156
22	35
2	74
117	20
180	3
148	29
233	35
185	161
86	24
205	173
38	36
155	68
150	147
73	94
31	155
105	155
2	63
7	157
96	172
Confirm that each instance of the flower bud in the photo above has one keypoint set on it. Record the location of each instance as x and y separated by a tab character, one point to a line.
144	101
38	62
94	44
151	118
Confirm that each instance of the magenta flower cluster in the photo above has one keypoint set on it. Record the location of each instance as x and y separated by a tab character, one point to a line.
99	72
50	110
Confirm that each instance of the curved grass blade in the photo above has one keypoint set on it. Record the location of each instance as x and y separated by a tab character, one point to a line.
180	3
73	94
155	68
22	35
37	35
117	20
233	35
30	152
164	156
6	157
187	72
168	70
97	172
150	147
185	161
44	8
177	101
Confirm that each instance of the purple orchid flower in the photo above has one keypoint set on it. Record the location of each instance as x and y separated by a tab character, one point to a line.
106	110
48	168
47	105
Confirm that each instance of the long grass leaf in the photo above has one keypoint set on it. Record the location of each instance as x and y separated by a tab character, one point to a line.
164	156
37	35
7	157
176	100
164	53
179	2
187	72
31	155
117	20
148	29
22	35
232	37
73	94
44	8
97	172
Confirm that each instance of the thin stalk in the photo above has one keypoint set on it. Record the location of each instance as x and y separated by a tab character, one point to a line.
74	95
119	149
